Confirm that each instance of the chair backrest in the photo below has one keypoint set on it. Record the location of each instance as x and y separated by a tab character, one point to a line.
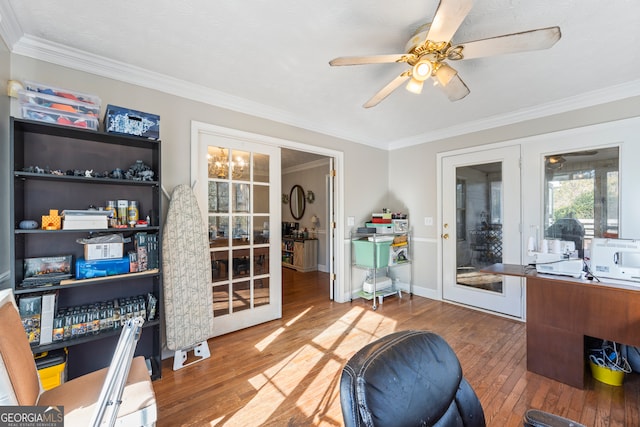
407	378
17	358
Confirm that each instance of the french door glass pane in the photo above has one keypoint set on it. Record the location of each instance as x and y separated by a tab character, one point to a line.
241	197
260	167
240	230
218	231
261	292
240	165
479	225
241	296
260	229
260	199
220	300
218	196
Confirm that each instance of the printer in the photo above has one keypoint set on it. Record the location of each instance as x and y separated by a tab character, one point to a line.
616	259
561	259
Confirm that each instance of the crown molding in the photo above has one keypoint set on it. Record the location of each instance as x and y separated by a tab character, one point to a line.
10	30
55	53
306	166
589	99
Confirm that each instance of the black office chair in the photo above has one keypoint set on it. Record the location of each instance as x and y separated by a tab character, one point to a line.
408	378
414	378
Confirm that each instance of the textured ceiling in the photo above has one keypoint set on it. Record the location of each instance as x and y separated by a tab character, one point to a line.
270	58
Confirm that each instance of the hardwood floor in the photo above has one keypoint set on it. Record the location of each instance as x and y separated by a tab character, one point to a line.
286	372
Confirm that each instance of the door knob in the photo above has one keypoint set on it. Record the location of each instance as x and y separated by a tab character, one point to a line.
445	236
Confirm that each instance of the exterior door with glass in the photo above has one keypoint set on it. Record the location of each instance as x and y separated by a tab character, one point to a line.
238	188
480	227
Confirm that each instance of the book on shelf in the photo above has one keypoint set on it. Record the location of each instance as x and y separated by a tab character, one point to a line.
46	318
153	260
30	309
140	244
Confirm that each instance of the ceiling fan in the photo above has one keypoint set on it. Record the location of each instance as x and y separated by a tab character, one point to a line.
430	47
557	160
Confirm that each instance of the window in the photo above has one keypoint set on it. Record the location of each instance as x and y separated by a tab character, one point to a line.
581	196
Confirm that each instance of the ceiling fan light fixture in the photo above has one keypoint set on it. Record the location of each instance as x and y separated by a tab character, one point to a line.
444	73
415	86
422	70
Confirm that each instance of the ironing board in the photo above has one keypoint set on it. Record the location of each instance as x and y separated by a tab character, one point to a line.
186	266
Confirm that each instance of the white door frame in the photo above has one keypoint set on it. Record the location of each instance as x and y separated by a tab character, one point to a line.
513	286
339	267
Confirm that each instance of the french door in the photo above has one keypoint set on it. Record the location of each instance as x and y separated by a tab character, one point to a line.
481	226
238	190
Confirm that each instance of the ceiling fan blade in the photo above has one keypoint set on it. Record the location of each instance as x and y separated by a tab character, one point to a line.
386	91
374	59
542	38
456	89
448	18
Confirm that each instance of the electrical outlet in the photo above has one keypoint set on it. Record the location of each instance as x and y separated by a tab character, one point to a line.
351	221
428	221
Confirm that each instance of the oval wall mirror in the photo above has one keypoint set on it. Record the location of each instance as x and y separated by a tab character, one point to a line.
297	202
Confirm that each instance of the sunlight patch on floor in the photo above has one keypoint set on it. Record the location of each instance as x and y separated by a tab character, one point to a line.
316	398
325	355
336	331
376	324
264	343
277	383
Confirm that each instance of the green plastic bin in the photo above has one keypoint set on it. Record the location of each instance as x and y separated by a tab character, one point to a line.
364	253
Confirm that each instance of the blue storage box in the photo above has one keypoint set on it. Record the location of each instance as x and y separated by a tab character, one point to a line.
101	267
131	122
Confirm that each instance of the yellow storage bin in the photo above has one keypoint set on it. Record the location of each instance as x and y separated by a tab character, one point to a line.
606	375
52	368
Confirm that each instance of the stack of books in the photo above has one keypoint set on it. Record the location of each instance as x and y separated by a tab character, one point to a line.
85	220
381	218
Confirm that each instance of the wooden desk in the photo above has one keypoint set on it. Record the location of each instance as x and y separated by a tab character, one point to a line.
562	311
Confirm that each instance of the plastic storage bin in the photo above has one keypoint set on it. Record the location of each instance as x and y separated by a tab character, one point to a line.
58	103
101	268
48	115
52	368
607	375
364	253
63	93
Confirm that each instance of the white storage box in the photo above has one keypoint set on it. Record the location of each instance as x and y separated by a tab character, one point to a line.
98	223
382	283
380	228
93	251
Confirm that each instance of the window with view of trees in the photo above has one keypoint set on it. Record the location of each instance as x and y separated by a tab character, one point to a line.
581	196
